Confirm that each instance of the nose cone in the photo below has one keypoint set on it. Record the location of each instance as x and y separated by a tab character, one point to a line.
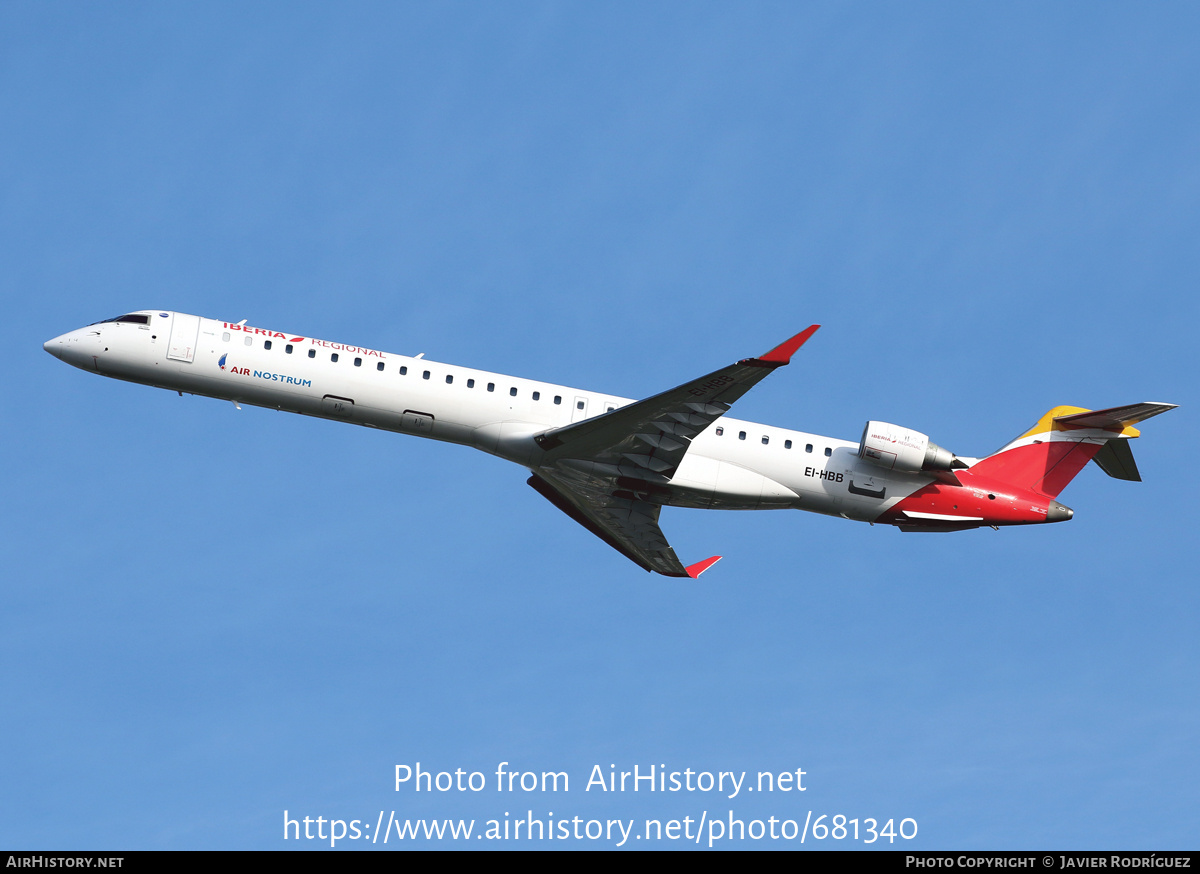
1056	512
77	348
55	347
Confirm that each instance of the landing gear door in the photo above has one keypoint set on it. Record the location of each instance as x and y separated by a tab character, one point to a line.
184	330
416	422
864	485
332	405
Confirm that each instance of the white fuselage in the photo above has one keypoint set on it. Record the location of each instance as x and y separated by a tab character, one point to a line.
733	464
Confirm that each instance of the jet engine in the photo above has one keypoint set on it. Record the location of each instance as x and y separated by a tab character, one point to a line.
896	448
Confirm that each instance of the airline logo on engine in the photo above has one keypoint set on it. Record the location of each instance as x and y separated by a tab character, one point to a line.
903	440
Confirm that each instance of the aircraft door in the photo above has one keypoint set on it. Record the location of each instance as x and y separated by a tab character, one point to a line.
184	330
579	411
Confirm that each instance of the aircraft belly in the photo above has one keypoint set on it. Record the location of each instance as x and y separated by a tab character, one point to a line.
258	392
845	488
710	483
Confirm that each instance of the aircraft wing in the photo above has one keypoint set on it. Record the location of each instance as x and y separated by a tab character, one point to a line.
609	473
648	439
627	524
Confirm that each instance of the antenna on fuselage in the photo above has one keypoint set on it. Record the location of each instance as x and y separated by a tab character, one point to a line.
242	322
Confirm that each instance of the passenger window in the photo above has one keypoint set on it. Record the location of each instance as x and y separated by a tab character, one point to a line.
741	435
312	353
333	358
828	452
512	392
766	439
425	375
609	408
358	362
579	405
249	340
491	386
288	348
379	367
266	344
449	379
470	383
225	337
787	444
720	432
537	395
403	370
808	448
558	399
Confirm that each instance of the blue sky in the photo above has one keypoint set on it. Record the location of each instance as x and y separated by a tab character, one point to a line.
211	616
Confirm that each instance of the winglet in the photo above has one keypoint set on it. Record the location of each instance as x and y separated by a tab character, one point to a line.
694	570
783	353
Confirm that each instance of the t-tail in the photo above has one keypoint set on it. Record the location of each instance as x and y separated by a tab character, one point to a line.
1048	456
1019	484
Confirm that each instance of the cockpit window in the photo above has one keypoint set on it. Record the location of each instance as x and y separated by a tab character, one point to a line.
133	318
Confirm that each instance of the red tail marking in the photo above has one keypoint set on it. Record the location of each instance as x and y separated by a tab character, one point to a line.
1046	468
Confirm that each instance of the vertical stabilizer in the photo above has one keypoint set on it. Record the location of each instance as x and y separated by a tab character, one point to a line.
1049	455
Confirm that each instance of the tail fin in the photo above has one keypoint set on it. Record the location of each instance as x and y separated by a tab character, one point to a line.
1049	455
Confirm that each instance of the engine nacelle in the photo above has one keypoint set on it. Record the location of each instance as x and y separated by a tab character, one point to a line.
896	448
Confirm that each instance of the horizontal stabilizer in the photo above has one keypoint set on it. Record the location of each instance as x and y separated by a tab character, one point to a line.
1112	419
1049	455
1115	458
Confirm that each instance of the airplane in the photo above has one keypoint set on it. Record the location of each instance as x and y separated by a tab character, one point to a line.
612	463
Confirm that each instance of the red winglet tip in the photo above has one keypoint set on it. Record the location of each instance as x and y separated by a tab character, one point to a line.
694	570
783	353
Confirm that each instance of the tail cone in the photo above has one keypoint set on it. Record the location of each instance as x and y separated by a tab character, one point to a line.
1056	512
